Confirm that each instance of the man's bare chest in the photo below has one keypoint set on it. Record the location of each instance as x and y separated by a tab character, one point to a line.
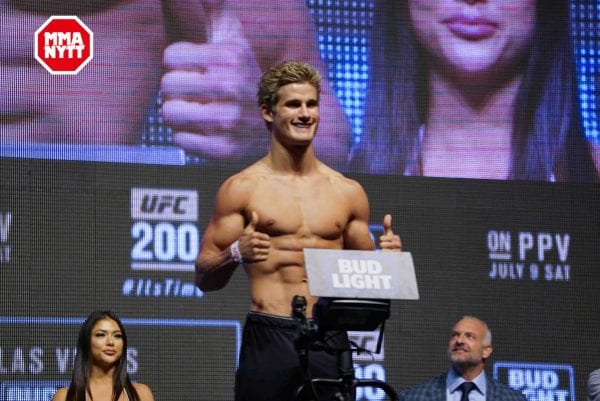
299	210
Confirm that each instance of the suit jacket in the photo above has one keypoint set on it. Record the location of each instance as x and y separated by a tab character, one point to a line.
593	386
435	390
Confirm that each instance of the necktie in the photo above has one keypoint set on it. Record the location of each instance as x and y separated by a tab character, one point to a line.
466	388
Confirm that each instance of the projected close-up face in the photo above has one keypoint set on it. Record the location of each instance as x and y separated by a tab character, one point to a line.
474	37
106	102
478	90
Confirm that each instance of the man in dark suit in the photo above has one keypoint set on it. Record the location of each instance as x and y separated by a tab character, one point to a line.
593	386
469	346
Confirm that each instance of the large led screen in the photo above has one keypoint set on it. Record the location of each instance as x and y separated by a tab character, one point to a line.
473	123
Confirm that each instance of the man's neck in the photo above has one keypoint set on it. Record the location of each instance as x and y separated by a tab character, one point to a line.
468	372
299	160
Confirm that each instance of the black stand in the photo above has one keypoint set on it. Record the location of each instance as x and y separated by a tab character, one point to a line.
310	339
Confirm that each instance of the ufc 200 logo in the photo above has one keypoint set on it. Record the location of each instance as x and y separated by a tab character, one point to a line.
164	232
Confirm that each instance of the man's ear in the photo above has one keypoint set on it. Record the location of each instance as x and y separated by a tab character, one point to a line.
266	113
487	351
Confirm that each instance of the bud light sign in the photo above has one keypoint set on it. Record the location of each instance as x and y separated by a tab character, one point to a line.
538	381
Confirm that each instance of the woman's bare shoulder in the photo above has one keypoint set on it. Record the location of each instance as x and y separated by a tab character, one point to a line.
144	392
61	394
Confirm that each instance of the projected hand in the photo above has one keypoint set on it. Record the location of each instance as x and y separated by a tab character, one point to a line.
389	241
254	245
210	84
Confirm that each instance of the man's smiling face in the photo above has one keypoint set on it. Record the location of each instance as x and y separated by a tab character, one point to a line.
295	117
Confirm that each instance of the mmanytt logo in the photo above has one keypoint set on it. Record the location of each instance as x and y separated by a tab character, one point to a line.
63	44
529	255
538	381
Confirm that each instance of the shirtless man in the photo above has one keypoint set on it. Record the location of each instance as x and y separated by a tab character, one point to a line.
263	219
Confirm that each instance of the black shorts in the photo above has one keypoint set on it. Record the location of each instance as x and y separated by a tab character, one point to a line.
270	368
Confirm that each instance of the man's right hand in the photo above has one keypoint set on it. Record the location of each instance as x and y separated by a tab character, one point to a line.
209	87
254	245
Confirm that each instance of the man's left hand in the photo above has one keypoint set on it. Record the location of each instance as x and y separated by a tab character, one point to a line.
389	241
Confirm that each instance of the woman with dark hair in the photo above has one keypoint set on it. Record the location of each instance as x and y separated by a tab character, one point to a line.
100	370
474	89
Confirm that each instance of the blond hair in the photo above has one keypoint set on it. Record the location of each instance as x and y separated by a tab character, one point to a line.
288	72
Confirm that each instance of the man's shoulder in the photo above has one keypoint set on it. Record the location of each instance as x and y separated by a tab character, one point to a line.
426	390
595	375
235	191
249	176
593	385
339	179
499	391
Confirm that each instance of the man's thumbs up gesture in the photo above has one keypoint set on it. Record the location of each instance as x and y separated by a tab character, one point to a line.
389	241
254	245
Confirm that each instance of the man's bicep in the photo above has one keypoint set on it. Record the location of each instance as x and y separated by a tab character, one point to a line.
357	236
222	232
227	221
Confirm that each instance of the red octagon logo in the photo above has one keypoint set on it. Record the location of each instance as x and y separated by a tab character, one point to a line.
64	45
